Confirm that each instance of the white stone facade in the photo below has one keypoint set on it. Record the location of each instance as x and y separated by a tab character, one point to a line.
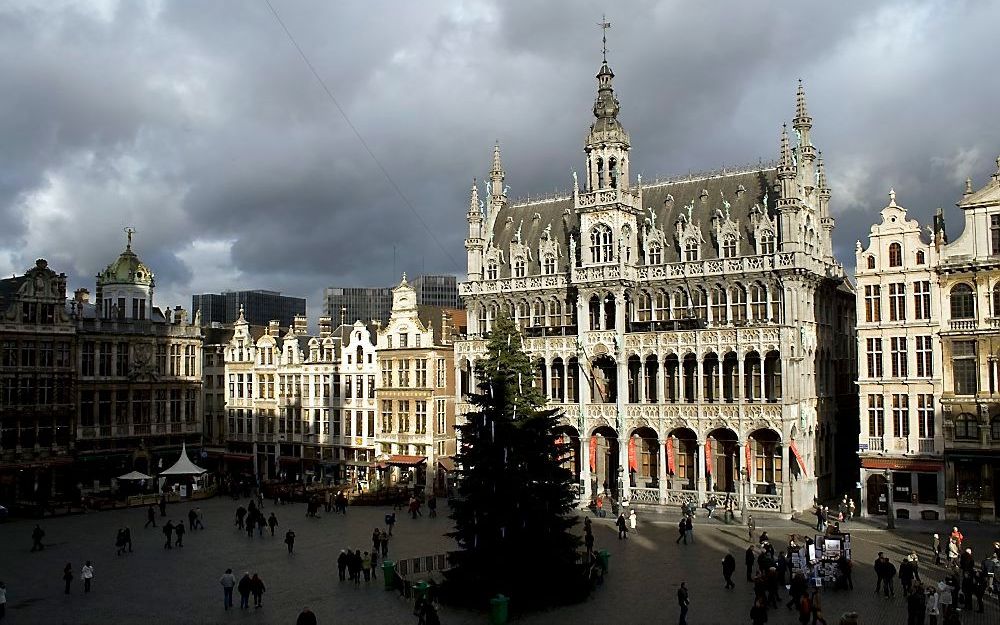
703	320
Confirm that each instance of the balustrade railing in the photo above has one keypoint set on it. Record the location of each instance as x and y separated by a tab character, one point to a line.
644	495
876	443
962	324
926	445
764	502
680	496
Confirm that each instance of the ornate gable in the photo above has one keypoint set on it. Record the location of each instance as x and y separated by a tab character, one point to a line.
688	234
548	248
653	237
726	230
765	228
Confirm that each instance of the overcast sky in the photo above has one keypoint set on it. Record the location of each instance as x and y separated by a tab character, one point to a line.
198	123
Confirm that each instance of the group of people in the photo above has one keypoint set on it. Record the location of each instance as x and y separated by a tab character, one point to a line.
247	586
86	576
769	572
353	564
252	517
824	518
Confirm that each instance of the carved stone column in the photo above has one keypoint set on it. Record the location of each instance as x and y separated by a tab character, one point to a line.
701	472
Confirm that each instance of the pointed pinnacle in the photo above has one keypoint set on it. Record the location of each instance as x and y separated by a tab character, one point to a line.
786	153
800	103
497	166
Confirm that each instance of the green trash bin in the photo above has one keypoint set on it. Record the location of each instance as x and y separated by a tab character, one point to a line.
498	610
605	559
420	591
389	574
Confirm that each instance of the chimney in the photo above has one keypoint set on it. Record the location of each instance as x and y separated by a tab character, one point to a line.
301	324
81	296
274	327
179	315
325	327
445	328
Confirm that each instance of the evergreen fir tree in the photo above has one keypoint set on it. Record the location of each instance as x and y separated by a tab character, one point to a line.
514	518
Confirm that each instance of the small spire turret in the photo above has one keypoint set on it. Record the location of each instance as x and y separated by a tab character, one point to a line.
785	164
496	176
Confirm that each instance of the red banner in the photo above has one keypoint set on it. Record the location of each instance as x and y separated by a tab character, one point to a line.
670	455
749	460
593	453
708	456
633	465
798	456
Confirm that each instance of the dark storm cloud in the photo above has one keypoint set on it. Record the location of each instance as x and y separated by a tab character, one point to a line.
199	124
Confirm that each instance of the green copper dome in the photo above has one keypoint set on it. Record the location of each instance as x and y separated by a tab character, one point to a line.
128	269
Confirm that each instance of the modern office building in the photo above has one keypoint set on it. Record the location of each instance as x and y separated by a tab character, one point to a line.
259	307
441	291
364	304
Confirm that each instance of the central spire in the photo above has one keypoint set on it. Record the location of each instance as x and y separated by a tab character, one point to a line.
607	143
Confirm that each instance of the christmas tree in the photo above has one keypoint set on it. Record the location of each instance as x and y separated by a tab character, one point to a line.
514	516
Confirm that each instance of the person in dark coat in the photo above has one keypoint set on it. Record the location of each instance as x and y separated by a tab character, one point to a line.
244	589
68	576
163	505
272	522
150	517
588	541
342	561
622	526
906	575
749	560
681	531
257	590
888	573
37	535
192	517
758	613
127	535
168	531
306	616
290	540
179	532
728	568
241	512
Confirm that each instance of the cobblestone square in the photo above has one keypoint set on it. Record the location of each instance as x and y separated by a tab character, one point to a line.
180	586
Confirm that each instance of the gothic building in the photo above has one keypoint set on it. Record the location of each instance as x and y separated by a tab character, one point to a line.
695	332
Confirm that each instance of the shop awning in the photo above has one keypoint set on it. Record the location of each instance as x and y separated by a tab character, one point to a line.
235	456
902	464
398	460
446	463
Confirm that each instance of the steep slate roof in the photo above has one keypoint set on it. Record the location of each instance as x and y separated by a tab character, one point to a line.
559	212
9	288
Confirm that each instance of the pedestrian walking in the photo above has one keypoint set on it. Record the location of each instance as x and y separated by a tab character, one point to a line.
432	507
916	604
87	575
622	526
758	613
342	561
383	539
128	538
68	576
272	522
749	559
241	513
179	532
244	589
120	542
198	521
936	548
37	535
588	540
889	572
163	505
851	508
168	531
632	520
805	609
728	568
290	540
354	567
228	582
366	566
688	530
683	602
390	520
150	517
681	531
751	526
192	517
931	610
257	590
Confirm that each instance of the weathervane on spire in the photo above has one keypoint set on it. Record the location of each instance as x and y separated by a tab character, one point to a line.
129	231
605	25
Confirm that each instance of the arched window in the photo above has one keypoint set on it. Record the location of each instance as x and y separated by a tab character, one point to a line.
655	254
601	248
699	302
613	172
538	313
871	262
519	267
680	304
645	306
555	313
966	427
738	303
767	242
729	246
483	327
920	257
963	302
895	255
662	310
523	315
491	270
600	173
549	264
719	314
691	250
758	302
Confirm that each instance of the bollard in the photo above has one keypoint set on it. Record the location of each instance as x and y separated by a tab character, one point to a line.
605	559
498	610
420	591
389	574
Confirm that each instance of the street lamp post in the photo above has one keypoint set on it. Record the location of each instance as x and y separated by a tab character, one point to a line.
891	522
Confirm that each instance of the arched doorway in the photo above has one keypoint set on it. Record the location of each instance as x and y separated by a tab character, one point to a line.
644	458
604	462
682	455
724	447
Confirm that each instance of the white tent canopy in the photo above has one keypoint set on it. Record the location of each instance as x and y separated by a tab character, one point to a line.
134	476
183	466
